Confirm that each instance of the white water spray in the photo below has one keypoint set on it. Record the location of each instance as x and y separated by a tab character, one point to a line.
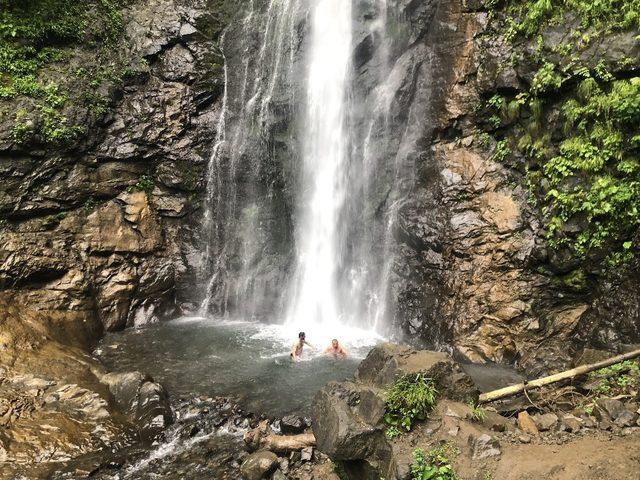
327	192
315	298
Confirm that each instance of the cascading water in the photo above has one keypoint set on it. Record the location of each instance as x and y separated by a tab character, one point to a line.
302	192
314	295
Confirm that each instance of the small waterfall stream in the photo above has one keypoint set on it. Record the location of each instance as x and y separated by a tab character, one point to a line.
301	196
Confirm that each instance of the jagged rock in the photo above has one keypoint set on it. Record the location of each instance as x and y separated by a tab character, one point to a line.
306	455
626	419
484	446
610	407
153	412
258	465
125	388
123	225
571	423
292	424
545	421
387	362
279	475
145	401
526	424
347	420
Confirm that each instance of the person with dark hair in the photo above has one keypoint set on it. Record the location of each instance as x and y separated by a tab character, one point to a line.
336	350
296	349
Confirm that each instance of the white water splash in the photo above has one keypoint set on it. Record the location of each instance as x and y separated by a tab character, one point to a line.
314	298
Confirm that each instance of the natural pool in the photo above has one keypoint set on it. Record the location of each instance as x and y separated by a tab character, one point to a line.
245	360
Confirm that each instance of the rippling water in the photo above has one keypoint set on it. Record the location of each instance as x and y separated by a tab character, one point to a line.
249	361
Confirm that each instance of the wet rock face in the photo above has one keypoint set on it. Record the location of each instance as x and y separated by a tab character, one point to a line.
106	227
471	267
100	235
143	400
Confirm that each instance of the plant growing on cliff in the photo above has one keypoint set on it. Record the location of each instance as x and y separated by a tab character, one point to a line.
144	184
593	182
527	18
432	465
34	37
411	398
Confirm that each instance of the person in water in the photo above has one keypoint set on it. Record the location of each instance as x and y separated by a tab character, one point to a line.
336	350
296	349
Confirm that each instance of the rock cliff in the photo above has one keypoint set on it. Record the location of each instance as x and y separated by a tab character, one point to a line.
103	182
99	211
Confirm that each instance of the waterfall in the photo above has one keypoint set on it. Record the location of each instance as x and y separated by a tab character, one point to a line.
325	147
303	184
243	206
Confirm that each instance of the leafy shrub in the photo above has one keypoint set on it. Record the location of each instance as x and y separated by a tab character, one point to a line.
546	79
144	184
502	151
527	18
601	151
411	398
433	465
617	379
34	35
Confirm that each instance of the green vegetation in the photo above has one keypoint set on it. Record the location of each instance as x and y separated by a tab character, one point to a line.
592	181
527	18
618	379
144	184
338	469
35	37
433	465
577	130
411	398
478	413
502	151
90	204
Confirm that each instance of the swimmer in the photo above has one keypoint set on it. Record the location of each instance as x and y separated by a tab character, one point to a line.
296	349
336	350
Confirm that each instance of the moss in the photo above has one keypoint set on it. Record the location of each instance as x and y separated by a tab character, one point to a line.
576	126
38	35
528	18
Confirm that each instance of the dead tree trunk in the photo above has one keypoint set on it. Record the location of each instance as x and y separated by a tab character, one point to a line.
539	382
287	443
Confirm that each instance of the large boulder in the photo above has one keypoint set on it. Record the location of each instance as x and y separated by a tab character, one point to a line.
143	400
258	465
348	417
389	361
292	424
348	420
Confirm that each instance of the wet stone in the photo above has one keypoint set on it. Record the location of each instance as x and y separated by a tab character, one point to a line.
625	419
292	424
258	465
609	406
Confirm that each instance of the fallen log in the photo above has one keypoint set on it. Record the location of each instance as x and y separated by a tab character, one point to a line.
287	443
568	374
